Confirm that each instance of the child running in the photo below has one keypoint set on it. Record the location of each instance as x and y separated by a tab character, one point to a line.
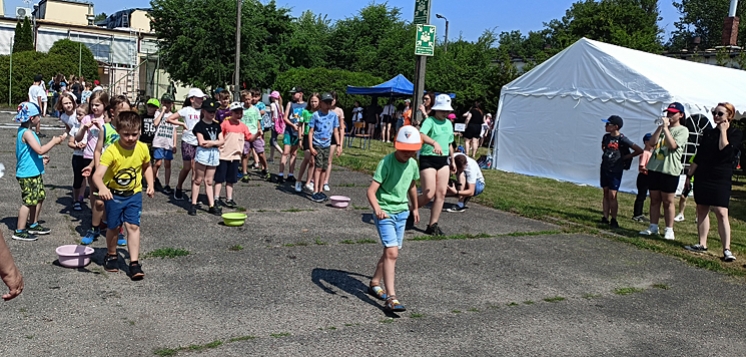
305	140
190	113
235	134
394	182
30	160
324	125
164	142
119	179
207	156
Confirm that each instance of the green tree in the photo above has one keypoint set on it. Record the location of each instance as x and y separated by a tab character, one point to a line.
79	55
100	17
628	23
308	46
24	37
326	80
703	18
201	53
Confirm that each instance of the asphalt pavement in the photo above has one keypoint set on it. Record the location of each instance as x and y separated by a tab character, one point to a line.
296	286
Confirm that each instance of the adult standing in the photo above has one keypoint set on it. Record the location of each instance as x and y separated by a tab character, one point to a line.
387	118
77	89
712	170
38	96
425	107
665	168
472	134
407	113
373	117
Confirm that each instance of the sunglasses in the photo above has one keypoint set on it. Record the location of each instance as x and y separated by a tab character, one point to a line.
718	114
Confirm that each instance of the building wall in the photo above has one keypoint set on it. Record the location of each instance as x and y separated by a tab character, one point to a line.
107	46
66	12
7	31
139	20
2	8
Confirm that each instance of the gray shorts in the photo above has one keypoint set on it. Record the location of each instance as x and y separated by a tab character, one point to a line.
322	157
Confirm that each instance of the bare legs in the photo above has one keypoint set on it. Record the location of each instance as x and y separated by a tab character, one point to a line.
385	270
434	186
703	224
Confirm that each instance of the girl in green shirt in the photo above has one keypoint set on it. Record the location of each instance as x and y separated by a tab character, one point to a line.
312	107
437	135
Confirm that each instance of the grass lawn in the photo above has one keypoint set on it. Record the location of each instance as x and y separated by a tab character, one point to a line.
578	208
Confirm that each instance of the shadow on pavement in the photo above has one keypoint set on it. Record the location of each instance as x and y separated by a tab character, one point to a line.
346	282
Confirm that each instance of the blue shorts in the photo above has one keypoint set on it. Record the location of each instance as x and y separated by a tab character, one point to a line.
208	156
120	210
612	180
391	230
163	154
227	172
478	188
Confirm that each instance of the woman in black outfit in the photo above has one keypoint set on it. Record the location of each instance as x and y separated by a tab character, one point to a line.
712	169
474	120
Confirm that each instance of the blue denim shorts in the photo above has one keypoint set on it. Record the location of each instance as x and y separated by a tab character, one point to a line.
478	188
163	154
120	210
208	156
391	230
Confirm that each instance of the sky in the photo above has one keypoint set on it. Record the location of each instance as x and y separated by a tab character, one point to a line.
467	18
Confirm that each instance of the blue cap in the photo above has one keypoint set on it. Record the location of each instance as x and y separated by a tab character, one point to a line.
647	137
614	120
218	90
26	111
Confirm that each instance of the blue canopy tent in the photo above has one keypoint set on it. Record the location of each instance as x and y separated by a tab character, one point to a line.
397	86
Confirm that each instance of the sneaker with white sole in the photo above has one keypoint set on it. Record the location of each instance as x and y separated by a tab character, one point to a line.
697	248
639	218
327	188
309	187
298	187
653	229
728	256
668	235
679	218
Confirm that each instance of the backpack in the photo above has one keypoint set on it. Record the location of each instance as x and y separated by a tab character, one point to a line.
267	121
280	122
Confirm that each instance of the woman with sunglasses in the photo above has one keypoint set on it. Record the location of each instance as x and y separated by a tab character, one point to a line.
665	168
713	167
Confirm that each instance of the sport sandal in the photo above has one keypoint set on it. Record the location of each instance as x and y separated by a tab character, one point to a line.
393	305
377	291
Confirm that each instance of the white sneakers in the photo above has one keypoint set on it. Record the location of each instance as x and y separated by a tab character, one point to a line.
298	186
653	229
679	218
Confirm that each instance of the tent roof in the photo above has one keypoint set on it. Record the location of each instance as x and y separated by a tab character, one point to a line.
598	70
398	85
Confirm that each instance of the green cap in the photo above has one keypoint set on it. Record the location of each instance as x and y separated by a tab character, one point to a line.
154	102
167	98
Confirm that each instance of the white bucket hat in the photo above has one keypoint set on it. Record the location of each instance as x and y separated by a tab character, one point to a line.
196	92
442	102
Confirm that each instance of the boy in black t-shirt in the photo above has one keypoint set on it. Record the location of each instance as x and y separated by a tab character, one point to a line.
616	158
147	131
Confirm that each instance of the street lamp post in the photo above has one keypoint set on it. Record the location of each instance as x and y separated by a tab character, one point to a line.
444	18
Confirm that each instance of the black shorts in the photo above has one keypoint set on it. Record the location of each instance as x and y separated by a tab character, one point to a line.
387	119
305	143
661	182
433	162
227	172
334	141
79	163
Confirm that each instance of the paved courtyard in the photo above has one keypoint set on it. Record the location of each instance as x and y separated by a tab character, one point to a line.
298	285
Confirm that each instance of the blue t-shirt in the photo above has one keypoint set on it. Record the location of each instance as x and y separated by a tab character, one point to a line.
323	126
28	162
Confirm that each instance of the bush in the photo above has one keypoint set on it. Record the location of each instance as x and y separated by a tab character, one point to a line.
27	64
325	80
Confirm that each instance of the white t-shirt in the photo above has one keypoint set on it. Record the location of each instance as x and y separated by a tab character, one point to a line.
36	91
191	118
472	171
357	114
74	125
389	110
164	134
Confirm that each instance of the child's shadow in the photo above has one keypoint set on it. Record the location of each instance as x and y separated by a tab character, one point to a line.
345	281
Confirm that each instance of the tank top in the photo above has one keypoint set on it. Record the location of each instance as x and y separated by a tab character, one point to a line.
477	118
28	162
110	135
296	111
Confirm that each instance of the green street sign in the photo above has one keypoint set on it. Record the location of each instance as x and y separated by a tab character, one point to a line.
425	45
421	12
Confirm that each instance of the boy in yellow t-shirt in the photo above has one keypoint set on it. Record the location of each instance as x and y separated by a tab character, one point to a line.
119	176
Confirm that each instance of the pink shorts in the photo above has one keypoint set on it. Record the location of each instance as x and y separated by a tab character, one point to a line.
257	145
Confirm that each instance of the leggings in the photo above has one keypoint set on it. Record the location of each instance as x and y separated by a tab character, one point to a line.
79	163
642	193
273	138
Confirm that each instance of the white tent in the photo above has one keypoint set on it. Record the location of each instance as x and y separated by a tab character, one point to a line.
549	119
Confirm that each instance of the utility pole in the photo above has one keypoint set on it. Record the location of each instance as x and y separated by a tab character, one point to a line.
237	76
446	41
421	16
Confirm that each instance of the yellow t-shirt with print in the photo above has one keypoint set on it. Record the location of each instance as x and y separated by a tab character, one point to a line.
124	171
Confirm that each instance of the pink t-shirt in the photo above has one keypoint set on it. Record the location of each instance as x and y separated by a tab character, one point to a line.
235	135
92	133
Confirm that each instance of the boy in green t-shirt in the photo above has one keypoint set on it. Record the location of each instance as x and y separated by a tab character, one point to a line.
393	181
